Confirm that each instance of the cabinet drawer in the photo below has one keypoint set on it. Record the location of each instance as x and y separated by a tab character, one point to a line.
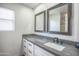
30	48
30	45
25	51
24	42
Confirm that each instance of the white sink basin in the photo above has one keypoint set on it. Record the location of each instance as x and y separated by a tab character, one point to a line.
55	46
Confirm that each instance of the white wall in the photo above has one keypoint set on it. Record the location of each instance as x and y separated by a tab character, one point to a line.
75	22
10	42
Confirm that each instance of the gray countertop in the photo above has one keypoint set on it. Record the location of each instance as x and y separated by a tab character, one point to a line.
69	49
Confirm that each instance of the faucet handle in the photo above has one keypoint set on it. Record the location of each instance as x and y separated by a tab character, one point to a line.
60	41
56	40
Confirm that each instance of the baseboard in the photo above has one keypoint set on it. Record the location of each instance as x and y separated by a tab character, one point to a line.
4	54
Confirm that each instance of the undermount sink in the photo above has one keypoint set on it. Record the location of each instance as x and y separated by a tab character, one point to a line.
55	46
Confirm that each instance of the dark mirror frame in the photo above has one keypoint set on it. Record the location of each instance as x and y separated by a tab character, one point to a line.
44	22
69	19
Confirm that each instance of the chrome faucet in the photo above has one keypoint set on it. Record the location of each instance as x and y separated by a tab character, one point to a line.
57	40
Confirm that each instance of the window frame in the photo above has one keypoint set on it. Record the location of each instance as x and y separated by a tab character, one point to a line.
12	20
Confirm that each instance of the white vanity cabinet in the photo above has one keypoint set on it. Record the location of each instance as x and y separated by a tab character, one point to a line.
41	52
33	50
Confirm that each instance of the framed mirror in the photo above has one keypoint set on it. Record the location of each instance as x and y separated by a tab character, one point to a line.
40	22
59	19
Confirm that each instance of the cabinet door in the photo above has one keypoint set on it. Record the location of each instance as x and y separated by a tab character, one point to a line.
25	43
25	46
30	48
41	52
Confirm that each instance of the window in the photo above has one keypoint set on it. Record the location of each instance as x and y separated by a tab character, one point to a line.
7	19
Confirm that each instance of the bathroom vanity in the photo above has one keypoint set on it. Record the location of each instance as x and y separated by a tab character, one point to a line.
36	45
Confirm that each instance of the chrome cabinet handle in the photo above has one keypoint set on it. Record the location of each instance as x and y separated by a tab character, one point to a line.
25	46
30	45
29	51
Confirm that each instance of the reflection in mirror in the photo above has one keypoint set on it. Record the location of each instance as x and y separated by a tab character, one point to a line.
40	22
59	18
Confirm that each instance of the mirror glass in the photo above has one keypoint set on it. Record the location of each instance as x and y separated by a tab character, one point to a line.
39	22
58	19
